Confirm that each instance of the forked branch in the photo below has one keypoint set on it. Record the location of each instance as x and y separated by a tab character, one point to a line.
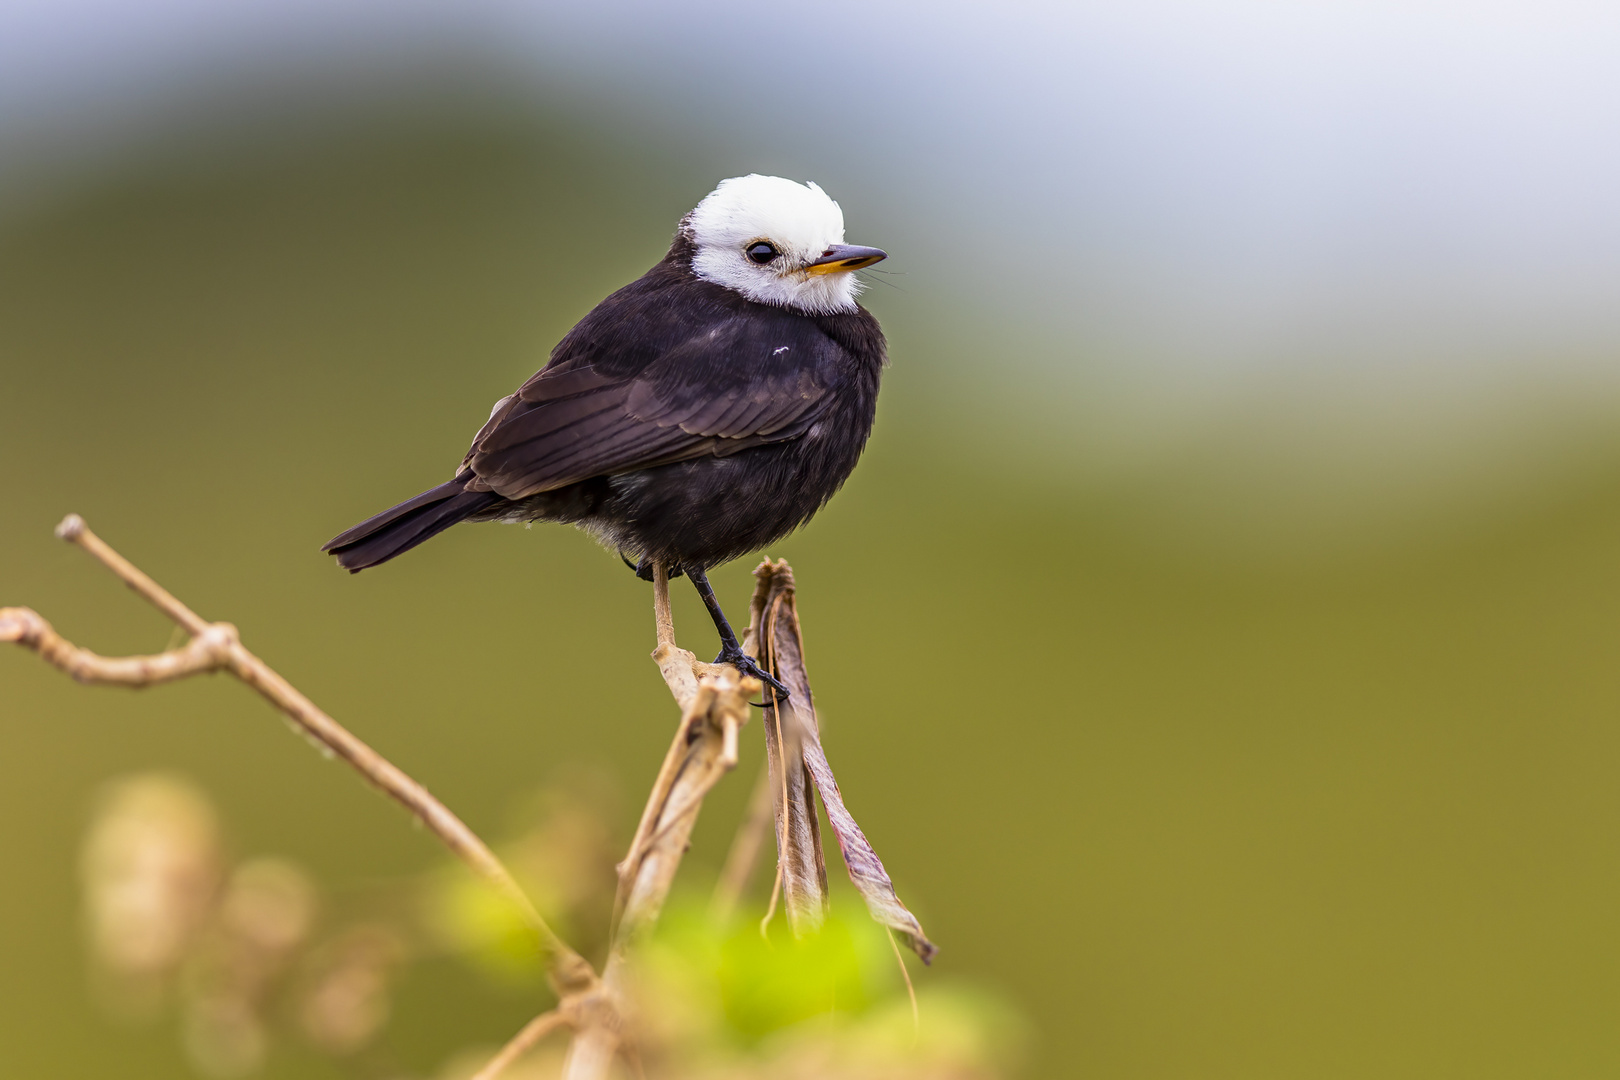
714	704
217	647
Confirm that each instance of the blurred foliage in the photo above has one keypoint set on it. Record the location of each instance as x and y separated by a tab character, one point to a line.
1196	808
250	964
564	859
734	1004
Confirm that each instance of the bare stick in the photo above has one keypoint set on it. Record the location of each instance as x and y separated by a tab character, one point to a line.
75	531
216	647
677	667
208	651
522	1043
663	614
714	703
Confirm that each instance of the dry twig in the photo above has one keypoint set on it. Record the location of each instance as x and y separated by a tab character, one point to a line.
714	704
522	1043
801	764
217	647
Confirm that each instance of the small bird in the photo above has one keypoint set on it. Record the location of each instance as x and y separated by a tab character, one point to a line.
700	413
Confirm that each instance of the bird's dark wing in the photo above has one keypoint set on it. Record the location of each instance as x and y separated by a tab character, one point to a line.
735	380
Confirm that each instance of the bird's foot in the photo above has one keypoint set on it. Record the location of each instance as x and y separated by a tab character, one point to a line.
747	665
644	568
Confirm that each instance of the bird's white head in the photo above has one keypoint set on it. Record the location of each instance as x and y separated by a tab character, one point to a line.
777	242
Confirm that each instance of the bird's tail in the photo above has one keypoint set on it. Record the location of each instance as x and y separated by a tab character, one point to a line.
400	528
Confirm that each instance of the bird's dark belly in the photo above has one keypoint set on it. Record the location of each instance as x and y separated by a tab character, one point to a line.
706	511
711	510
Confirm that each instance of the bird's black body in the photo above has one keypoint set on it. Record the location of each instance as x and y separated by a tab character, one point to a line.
679	422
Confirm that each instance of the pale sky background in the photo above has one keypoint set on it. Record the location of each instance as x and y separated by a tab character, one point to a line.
1413	208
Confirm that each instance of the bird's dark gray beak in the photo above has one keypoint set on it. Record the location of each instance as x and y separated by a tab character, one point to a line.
842	257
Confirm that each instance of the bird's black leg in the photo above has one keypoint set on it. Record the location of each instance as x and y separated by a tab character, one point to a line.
730	651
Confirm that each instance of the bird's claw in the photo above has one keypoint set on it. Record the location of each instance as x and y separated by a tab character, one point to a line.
644	568
748	666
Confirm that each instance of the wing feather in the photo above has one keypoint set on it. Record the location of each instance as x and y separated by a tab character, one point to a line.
724	383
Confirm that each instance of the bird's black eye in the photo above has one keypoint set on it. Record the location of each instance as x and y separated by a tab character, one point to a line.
762	252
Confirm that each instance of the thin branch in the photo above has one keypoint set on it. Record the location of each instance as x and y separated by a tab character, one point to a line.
714	704
75	531
522	1043
216	647
208	651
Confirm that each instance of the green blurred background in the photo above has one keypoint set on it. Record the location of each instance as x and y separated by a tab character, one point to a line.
1273	739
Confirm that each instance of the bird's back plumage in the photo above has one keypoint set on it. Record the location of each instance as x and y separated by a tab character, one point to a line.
678	421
